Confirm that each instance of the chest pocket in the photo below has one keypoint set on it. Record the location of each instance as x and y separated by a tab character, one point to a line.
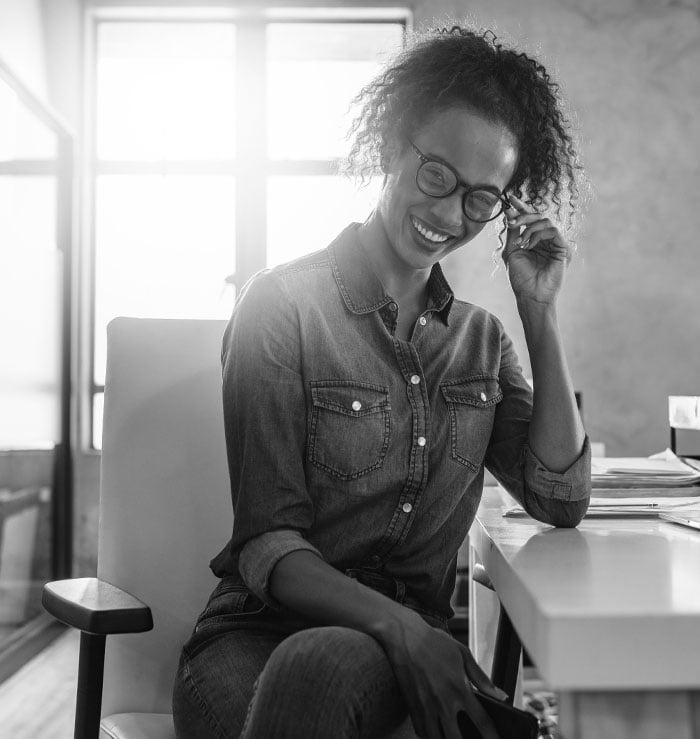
472	407
350	427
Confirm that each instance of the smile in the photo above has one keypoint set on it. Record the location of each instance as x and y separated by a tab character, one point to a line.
435	238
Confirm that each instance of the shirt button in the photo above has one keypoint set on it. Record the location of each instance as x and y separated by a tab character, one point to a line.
421	441
393	307
483	397
415	379
422	320
407	507
356	405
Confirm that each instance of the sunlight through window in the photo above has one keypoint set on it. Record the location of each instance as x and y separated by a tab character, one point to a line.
175	194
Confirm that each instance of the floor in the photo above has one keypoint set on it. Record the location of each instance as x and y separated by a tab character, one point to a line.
39	699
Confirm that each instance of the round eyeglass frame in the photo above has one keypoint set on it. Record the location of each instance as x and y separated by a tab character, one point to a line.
505	203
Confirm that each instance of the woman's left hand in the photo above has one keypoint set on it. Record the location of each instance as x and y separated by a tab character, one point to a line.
536	258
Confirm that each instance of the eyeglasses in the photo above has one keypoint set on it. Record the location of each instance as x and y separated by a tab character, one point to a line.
439	180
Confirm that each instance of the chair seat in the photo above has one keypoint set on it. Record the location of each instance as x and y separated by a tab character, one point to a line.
137	726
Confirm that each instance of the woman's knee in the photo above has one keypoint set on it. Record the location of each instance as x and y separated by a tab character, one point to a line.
328	677
328	652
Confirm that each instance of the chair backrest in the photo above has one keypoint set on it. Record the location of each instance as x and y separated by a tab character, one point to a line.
165	505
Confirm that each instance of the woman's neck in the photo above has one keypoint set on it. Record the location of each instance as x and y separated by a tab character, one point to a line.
404	283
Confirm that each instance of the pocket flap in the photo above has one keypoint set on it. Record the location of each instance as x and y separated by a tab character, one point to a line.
480	392
351	398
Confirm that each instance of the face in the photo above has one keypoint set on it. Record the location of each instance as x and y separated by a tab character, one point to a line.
420	229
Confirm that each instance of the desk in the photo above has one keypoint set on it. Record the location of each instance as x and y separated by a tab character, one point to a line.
609	613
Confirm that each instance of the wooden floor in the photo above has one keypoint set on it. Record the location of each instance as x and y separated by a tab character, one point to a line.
38	701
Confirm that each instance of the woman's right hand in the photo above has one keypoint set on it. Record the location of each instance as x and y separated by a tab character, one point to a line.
436	673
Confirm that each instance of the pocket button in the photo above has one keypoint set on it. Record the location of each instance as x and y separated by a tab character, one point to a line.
483	396
356	405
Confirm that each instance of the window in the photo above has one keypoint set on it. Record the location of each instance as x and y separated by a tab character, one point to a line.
216	140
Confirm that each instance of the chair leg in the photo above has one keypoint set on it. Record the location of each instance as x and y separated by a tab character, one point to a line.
88	703
506	656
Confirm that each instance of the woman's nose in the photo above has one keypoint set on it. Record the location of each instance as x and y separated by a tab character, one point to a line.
448	212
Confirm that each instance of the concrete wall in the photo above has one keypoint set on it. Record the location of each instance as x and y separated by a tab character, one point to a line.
630	311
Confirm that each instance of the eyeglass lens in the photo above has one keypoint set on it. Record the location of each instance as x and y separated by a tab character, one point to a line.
438	181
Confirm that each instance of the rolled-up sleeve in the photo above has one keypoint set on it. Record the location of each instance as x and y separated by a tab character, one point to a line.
260	555
265	429
556	498
559	498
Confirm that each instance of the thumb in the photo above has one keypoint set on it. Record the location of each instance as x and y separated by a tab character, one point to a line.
478	677
511	236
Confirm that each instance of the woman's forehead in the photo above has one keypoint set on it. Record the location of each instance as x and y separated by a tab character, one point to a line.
476	147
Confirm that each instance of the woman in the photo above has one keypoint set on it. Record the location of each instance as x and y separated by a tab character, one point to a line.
362	401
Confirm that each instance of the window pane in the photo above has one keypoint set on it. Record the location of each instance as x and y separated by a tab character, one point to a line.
22	135
335	202
164	247
315	69
165	91
30	313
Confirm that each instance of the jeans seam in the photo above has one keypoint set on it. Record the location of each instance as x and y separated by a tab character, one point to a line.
204	706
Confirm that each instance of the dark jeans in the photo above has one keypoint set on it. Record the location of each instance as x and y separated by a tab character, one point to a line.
252	672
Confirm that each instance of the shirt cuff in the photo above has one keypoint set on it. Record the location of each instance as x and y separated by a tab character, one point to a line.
260	555
571	485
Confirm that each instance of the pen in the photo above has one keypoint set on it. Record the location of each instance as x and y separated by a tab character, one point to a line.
624	505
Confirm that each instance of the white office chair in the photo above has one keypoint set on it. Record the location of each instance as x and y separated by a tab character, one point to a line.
165	510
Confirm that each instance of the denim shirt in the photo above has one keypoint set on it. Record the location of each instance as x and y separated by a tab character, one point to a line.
366	449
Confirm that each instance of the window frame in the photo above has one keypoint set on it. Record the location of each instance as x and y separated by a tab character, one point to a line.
250	142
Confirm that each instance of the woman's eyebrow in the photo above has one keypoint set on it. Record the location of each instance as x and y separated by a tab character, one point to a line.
476	186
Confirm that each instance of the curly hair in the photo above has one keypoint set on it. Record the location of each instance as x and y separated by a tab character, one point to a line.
458	67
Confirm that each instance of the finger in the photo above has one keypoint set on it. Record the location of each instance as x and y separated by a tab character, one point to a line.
523	219
533	228
548	238
509	248
521	205
450	727
478	677
478	716
511	215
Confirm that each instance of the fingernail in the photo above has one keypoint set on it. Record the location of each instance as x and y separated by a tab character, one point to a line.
501	694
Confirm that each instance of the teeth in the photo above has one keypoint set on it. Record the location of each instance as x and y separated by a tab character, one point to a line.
436	238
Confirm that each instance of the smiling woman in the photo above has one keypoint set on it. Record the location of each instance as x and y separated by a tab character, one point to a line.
362	401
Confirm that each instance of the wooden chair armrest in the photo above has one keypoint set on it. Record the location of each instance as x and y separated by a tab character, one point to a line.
96	607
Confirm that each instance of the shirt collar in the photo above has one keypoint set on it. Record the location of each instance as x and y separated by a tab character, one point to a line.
360	287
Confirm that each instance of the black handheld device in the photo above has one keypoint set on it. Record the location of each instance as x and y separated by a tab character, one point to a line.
510	722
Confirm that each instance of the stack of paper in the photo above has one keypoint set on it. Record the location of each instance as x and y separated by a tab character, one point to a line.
639	486
664	470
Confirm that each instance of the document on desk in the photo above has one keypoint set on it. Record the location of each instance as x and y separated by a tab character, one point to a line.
663	470
629	507
639	487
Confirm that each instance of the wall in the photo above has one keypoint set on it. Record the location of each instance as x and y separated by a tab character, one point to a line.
630	312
